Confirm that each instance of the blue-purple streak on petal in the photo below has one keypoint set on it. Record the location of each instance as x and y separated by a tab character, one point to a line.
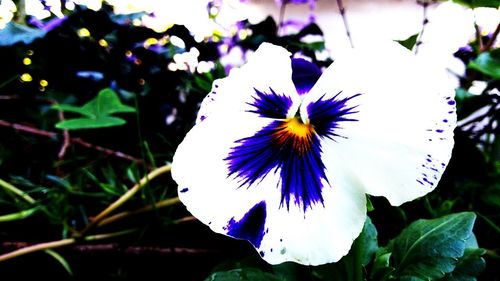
304	75
326	114
251	226
270	150
270	105
298	158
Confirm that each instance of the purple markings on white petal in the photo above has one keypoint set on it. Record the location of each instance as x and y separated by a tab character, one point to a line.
430	170
270	105
295	157
251	226
304	75
326	115
184	190
270	150
451	102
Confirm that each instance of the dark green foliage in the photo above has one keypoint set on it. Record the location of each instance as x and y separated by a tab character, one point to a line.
428	249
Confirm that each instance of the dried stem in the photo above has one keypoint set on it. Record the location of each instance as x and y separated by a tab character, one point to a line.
492	40
67	139
17	191
115	247
281	19
340	5
126	214
478	36
39	132
59	243
425	21
125	197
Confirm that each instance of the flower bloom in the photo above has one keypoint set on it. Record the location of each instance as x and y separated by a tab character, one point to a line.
282	154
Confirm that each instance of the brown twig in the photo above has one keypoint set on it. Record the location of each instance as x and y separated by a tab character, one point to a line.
492	40
59	243
39	132
340	5
478	36
67	139
5	97
115	247
126	214
125	197
425	21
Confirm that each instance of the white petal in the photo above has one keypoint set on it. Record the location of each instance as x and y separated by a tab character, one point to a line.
268	68
402	141
200	171
320	235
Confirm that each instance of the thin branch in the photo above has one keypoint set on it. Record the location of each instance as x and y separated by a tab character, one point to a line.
17	191
340	5
125	197
281	19
5	97
115	247
425	21
478	36
67	139
185	219
39	132
492	40
28	129
126	214
59	243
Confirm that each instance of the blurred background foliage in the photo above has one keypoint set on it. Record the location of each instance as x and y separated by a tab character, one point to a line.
63	158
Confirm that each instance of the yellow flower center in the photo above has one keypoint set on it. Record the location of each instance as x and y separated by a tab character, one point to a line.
295	133
297	128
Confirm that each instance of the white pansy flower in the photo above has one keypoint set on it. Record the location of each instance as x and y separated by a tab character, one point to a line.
282	155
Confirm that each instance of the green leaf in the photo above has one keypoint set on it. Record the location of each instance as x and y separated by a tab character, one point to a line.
96	112
243	274
14	33
470	265
61	260
428	249
381	266
87	123
409	42
368	240
478	3
488	63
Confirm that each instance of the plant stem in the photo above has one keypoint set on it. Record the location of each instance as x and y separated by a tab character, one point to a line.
18	215
48	134
282	15
425	21
358	259
59	243
489	222
125	197
17	191
340	5
490	42
126	214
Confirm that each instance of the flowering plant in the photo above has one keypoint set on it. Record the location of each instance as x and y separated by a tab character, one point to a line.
324	161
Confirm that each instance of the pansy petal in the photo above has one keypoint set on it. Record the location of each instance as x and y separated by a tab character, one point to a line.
320	234
268	70
324	233
399	134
